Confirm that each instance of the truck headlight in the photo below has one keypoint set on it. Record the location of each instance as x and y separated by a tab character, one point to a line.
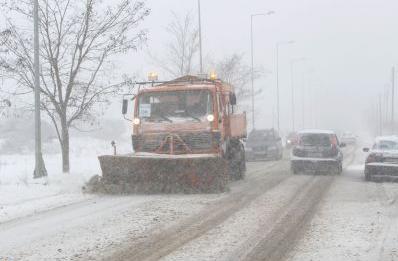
210	117
136	121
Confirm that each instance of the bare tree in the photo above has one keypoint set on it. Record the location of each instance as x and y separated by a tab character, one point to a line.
233	70
182	48
78	41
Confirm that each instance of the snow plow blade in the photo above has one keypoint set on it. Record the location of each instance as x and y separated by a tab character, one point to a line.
159	173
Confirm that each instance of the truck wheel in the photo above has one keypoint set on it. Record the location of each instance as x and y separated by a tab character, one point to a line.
336	169
368	175
236	160
242	169
294	169
340	168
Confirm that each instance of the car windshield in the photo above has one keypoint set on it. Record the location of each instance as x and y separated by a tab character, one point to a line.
315	139
175	106
386	145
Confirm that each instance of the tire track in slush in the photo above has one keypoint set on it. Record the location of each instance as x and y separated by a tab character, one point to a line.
281	237
161	243
293	221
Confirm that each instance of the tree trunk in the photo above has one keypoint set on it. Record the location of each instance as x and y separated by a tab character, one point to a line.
65	148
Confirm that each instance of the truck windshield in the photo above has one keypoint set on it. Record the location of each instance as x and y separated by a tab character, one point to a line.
175	106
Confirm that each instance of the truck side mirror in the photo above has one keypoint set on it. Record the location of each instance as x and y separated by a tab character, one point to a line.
232	99
125	106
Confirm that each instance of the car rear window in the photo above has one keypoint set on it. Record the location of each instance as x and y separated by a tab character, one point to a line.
315	139
386	145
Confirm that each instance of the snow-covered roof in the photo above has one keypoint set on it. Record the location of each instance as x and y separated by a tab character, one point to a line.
316	131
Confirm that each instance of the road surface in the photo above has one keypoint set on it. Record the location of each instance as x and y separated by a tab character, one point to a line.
271	215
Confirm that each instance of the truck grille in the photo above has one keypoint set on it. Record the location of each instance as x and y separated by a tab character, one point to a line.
194	141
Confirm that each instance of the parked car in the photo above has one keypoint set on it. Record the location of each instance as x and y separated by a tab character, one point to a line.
382	161
264	144
291	140
319	151
348	138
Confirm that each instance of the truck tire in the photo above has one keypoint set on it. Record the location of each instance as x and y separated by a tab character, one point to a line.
368	175
340	168
294	169
236	159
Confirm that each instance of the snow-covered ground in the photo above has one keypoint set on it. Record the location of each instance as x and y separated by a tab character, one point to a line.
357	220
52	219
21	195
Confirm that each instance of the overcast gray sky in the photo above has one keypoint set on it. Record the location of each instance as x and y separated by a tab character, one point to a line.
350	46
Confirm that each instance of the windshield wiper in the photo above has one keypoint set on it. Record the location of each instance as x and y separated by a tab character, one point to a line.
193	117
165	118
160	118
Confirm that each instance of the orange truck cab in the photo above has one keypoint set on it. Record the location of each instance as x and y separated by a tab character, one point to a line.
189	115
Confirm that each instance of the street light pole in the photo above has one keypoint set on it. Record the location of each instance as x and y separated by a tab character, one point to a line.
277	82
380	116
292	62
392	99
200	39
40	170
252	60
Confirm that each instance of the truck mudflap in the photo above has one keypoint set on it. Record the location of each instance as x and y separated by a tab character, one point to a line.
158	173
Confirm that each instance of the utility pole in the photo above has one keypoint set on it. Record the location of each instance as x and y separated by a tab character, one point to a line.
200	39
303	101
292	63
380	116
277	88
252	68
292	92
392	99
252	60
277	82
40	169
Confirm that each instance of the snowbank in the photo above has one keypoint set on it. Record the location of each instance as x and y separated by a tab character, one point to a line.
22	195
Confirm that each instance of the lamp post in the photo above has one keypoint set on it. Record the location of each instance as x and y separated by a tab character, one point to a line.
292	63
392	99
252	59
277	81
200	40
40	170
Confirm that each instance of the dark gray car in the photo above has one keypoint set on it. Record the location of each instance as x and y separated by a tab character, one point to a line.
263	145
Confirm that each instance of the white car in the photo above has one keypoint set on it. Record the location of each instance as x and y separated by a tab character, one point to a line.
382	161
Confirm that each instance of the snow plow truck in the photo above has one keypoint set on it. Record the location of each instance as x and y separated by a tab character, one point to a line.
186	137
